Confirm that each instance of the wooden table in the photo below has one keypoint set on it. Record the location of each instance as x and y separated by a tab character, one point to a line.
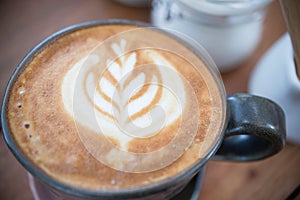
25	23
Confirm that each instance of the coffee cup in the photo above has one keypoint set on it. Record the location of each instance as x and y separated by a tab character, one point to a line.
117	109
217	25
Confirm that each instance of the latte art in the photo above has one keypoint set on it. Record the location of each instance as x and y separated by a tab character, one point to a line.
129	98
112	106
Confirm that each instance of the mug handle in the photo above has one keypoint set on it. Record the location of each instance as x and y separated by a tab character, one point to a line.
255	130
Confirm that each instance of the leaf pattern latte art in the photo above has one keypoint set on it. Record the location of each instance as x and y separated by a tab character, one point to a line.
128	95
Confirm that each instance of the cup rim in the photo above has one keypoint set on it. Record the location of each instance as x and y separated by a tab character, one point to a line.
127	192
223	8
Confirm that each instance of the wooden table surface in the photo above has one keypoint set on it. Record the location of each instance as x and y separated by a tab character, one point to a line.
25	23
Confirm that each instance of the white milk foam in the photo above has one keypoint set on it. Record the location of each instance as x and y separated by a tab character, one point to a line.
122	100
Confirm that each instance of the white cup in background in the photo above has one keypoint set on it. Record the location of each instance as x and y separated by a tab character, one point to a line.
230	31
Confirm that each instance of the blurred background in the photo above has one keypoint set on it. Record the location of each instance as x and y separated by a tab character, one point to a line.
23	24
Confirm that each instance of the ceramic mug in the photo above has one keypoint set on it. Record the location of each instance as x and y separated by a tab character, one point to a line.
253	129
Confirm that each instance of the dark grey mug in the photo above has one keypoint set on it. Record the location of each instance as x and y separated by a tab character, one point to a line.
254	130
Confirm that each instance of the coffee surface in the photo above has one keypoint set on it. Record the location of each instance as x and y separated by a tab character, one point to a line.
115	106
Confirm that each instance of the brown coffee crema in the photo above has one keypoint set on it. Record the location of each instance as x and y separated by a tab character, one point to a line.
115	106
